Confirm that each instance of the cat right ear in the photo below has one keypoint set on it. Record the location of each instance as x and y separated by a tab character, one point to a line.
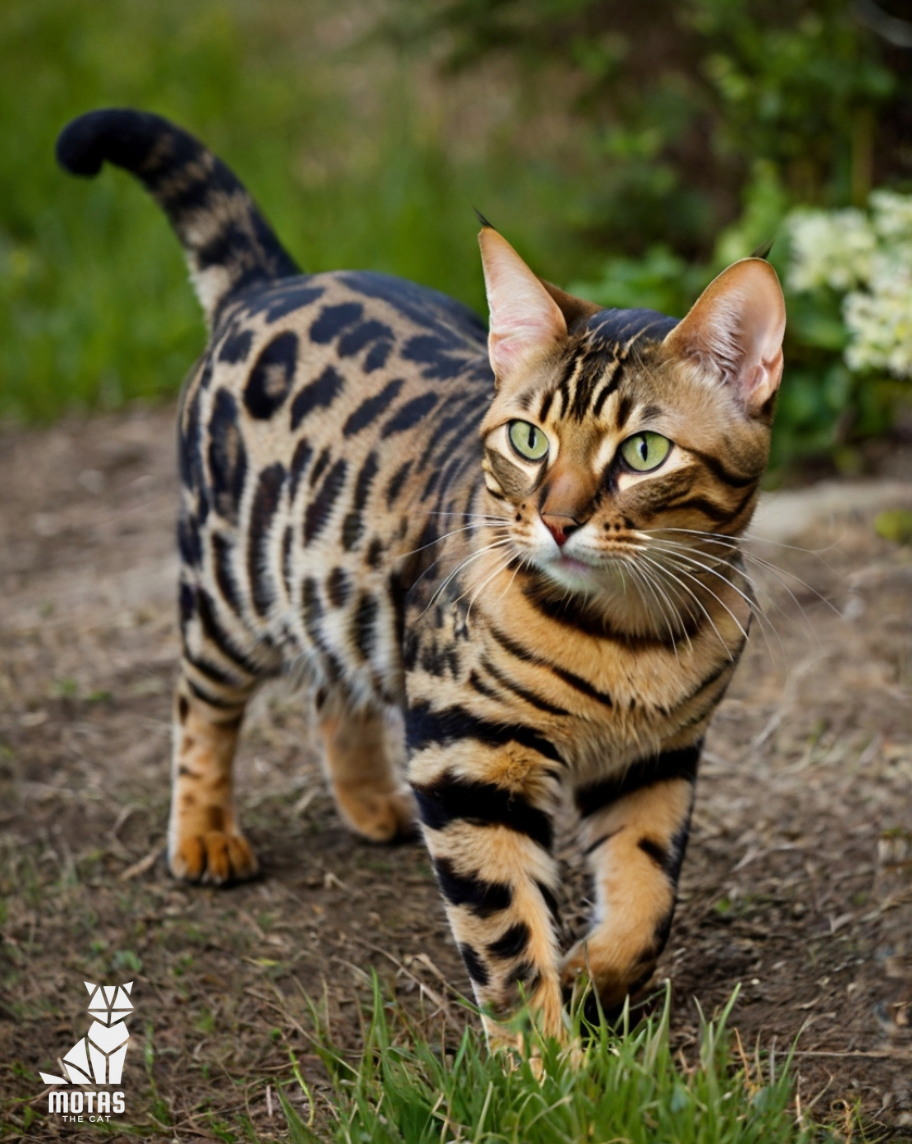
525	321
736	328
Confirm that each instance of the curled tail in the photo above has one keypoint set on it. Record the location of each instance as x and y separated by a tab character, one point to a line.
228	243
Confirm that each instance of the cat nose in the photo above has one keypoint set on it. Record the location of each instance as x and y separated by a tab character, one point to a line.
560	525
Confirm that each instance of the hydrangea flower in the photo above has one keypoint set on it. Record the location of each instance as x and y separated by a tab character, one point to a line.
866	257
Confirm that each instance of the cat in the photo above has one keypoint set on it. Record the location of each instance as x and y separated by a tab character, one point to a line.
98	1057
523	537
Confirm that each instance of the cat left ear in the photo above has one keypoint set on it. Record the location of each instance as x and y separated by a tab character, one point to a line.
525	322
736	326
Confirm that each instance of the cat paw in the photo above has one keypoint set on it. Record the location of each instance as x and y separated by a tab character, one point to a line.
613	984
213	857
379	817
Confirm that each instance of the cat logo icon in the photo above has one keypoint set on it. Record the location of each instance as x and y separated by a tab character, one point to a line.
98	1057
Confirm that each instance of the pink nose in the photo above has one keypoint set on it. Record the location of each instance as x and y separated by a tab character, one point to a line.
560	526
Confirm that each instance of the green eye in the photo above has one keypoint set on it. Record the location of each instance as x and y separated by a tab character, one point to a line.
645	451
528	440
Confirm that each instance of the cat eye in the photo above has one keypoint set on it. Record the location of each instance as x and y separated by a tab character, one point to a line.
528	440
645	451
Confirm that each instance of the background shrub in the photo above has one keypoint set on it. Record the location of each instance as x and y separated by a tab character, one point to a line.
629	149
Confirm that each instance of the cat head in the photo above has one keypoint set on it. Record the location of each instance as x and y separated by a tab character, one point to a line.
109	1004
614	432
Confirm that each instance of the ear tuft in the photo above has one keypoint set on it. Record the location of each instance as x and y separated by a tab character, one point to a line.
576	311
736	329
526	322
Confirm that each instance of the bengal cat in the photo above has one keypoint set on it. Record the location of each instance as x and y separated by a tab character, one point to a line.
525	539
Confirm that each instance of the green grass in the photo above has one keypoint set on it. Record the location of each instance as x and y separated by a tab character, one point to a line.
628	1089
346	142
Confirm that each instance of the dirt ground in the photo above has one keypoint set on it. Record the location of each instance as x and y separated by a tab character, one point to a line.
797	885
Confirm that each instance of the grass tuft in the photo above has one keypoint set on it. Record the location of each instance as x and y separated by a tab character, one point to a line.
624	1088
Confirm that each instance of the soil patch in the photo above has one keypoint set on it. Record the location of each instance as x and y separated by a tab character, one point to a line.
797	885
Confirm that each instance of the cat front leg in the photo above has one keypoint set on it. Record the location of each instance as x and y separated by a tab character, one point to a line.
634	831
486	817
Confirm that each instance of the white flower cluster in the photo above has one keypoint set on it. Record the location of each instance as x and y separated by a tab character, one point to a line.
867	257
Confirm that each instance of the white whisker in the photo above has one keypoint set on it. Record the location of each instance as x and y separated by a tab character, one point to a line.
641	576
438	539
481	587
749	599
464	564
665	571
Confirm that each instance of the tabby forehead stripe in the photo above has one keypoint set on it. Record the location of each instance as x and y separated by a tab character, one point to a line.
610	387
450	799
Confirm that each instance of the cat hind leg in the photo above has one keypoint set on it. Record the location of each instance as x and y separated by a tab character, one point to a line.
363	772
205	843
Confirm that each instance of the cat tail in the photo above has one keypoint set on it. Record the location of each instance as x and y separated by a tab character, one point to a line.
229	245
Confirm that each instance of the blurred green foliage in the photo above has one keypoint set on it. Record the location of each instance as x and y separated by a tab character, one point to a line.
635	148
688	103
711	120
339	138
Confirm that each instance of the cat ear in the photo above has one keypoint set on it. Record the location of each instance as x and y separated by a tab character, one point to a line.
737	325
575	310
525	319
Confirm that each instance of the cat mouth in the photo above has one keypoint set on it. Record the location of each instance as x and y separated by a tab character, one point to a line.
593	573
574	564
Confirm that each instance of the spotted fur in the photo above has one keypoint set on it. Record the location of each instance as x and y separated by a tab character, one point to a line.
352	509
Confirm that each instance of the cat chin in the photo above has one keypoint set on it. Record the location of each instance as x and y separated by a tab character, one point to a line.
606	580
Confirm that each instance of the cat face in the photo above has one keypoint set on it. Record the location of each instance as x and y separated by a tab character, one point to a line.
109	1004
615	436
